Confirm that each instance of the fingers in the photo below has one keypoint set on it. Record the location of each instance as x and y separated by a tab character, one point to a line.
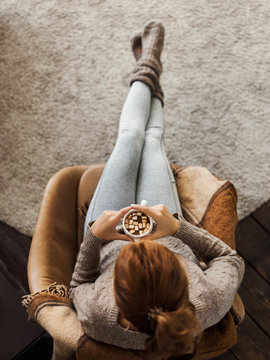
124	237
148	237
146	209
120	213
153	236
125	208
119	236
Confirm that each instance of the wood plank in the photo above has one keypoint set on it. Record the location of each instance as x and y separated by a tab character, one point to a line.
17	332
252	343
13	257
253	243
40	349
255	294
262	215
228	355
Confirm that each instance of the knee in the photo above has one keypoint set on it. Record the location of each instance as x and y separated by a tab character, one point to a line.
154	133
132	133
132	137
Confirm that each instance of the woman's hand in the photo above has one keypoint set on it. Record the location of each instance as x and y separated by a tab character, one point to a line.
167	224
104	226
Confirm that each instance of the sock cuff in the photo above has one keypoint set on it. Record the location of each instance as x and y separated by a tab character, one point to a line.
160	96
144	79
152	63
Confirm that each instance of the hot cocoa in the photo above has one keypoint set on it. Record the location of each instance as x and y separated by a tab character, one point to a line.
137	223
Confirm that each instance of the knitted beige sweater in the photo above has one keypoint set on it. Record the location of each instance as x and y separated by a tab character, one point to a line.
211	287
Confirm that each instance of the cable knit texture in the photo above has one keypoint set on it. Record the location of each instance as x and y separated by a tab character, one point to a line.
149	67
212	283
136	47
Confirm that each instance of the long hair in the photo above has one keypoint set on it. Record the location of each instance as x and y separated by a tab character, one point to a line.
148	276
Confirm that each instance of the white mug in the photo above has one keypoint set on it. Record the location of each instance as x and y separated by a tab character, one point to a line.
136	237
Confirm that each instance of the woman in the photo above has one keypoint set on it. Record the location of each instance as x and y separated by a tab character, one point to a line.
151	295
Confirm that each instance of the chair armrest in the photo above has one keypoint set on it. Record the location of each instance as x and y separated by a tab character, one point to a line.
54	245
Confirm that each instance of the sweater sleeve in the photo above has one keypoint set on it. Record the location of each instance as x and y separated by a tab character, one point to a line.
87	266
204	244
224	272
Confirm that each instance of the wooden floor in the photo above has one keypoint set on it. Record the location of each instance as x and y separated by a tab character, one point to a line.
253	244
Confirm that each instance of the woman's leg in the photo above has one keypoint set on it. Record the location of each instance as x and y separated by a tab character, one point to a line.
156	182
117	185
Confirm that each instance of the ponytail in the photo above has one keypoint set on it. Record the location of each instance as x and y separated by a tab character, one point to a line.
175	331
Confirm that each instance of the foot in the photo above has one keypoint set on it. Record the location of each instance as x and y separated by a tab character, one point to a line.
152	44
136	44
136	47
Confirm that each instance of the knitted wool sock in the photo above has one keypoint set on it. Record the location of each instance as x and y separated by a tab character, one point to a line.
149	66
136	47
136	44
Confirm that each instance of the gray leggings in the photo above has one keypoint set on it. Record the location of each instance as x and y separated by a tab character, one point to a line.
138	167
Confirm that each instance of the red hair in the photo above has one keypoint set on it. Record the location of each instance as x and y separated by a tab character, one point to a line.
148	275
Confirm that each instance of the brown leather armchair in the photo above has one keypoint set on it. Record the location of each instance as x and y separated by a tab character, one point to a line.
57	238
